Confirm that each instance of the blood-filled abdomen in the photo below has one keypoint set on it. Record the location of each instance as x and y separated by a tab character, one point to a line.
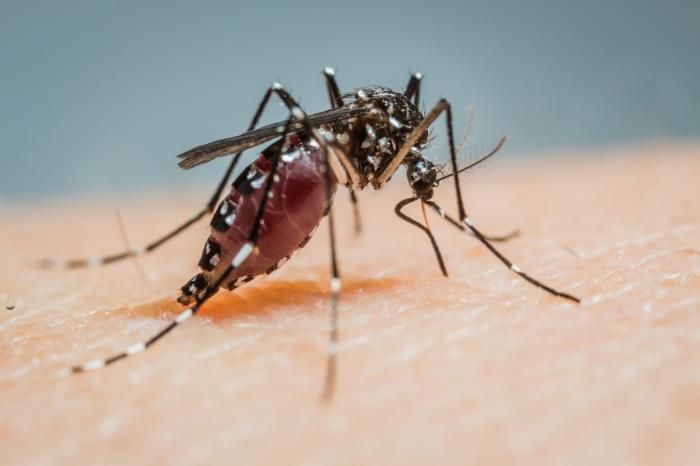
295	206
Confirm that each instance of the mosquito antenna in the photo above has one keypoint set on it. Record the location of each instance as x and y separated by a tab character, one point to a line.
127	245
482	159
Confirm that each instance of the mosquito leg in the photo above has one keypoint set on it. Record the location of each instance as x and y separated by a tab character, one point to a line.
332	362
436	248
327	142
468	223
481	237
243	253
145	249
332	87
356	212
336	101
460	226
444	106
413	88
330	149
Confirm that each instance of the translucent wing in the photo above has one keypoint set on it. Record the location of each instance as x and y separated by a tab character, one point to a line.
205	153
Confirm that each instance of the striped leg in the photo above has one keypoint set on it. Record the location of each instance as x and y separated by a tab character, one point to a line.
481	237
245	251
330	149
332	363
464	219
145	249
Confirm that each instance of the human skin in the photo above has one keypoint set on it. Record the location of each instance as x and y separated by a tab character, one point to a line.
477	368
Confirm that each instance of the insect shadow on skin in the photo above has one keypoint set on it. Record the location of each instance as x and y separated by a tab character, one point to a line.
359	142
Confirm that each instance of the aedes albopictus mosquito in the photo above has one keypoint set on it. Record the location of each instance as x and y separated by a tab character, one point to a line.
277	202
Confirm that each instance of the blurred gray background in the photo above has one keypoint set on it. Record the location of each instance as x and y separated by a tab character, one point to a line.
101	96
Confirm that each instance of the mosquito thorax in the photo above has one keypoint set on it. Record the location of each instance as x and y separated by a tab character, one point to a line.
373	139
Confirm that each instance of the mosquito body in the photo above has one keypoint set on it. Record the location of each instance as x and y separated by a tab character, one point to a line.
296	203
297	200
276	203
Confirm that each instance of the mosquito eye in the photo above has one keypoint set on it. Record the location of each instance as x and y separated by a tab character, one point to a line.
429	176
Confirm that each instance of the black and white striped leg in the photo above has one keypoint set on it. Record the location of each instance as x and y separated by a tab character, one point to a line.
426	230
468	223
150	247
330	149
330	146
413	88
332	362
246	250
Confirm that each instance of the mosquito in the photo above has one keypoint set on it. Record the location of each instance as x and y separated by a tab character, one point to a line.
276	203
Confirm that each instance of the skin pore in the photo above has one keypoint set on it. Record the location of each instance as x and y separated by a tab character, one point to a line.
478	368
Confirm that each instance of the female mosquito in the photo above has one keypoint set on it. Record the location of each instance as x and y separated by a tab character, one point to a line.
276	203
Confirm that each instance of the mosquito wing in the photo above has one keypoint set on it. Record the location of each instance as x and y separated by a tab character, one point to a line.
207	152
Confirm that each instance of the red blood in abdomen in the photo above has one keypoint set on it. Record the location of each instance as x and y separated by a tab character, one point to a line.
296	206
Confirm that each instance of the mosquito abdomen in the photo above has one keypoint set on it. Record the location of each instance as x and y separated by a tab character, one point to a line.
296	205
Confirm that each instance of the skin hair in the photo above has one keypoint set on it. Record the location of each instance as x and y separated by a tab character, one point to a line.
477	368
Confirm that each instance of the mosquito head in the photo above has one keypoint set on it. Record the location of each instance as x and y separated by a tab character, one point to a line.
422	177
